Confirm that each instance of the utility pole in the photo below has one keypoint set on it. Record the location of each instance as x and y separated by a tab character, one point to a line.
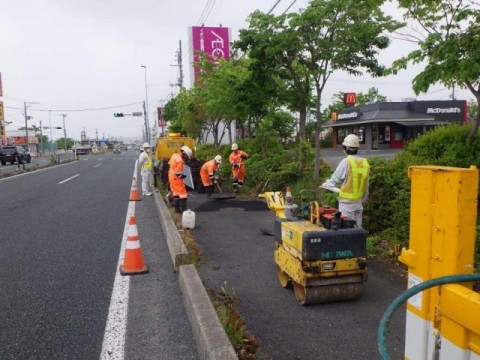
41	138
145	107
64	132
180	67
26	125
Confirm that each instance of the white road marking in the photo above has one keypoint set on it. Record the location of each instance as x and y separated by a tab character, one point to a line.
98	165
70	178
113	347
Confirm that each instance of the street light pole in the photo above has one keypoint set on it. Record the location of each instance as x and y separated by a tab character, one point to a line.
147	120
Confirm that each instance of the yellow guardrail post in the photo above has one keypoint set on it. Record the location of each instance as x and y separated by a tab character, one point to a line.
443	216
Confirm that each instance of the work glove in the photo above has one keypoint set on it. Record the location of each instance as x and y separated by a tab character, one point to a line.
182	176
244	157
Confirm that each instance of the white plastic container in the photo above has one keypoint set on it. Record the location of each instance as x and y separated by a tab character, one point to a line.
188	219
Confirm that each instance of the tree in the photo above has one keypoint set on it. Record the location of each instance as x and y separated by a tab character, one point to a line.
343	35
170	111
448	40
274	49
62	141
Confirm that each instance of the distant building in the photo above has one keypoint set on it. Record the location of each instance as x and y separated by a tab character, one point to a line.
18	137
387	125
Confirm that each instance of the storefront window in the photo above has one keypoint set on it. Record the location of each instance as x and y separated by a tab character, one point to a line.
342	132
383	134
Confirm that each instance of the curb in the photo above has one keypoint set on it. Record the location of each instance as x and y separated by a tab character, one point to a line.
210	337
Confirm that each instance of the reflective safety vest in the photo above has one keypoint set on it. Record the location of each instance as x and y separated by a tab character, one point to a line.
355	184
148	164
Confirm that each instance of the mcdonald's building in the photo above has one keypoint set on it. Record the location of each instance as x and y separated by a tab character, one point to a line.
389	125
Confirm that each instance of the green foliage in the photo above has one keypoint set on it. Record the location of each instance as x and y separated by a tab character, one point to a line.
447	146
448	45
387	211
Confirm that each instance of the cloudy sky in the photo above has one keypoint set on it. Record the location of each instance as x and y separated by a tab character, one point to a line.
84	59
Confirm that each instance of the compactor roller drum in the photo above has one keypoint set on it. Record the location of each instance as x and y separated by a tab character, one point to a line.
325	294
323	265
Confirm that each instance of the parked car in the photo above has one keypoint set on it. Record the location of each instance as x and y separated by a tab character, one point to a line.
10	153
116	151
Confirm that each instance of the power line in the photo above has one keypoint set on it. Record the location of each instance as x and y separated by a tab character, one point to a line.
273	8
78	110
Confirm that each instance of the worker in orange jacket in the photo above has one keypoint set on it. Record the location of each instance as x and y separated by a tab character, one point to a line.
176	176
207	174
237	160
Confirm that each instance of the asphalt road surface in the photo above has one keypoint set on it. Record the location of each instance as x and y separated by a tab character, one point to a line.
61	235
236	255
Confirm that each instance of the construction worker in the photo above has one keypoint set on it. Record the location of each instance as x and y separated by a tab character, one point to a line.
146	169
237	160
352	175
176	176
207	174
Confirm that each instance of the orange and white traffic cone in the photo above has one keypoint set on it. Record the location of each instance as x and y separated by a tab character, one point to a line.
134	194
133	260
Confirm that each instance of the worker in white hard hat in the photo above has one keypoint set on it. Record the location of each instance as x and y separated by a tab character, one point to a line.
176	176
207	174
350	180
145	162
237	161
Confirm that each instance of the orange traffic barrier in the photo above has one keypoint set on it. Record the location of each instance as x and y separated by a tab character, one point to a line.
133	263
134	194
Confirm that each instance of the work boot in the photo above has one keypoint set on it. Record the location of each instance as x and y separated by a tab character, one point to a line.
183	205
176	204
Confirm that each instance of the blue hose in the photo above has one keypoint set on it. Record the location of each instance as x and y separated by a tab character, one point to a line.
382	329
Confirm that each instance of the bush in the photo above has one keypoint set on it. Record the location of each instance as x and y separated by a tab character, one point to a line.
388	209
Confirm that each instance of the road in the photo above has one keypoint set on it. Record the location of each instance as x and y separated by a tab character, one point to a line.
62	230
237	256
61	235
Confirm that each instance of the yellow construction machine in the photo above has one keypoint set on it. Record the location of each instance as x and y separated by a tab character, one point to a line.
319	252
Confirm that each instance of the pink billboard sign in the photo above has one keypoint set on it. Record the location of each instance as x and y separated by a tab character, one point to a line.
214	41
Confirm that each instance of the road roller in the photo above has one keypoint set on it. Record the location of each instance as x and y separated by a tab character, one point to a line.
319	252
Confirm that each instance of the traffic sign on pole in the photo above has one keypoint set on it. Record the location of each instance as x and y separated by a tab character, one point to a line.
137	113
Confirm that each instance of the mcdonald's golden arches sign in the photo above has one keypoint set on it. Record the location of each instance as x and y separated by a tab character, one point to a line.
350	98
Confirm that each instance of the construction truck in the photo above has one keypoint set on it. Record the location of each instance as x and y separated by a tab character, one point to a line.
319	252
166	146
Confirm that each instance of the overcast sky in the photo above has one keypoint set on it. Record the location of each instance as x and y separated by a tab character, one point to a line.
83	58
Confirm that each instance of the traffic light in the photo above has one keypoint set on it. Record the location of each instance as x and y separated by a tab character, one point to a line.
2	131
118	115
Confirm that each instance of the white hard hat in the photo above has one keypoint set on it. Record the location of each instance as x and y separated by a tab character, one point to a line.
146	145
218	159
351	141
234	147
187	150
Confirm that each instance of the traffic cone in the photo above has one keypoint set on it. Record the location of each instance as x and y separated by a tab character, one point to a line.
134	194
133	260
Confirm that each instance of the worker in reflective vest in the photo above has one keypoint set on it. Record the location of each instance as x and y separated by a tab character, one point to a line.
237	160
146	170
176	176
352	175
207	174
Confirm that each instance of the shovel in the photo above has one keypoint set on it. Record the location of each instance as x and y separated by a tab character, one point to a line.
221	195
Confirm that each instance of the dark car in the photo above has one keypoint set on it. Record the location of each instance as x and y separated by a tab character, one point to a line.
10	153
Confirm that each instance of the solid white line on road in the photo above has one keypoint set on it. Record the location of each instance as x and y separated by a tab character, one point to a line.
113	347
98	165
70	178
